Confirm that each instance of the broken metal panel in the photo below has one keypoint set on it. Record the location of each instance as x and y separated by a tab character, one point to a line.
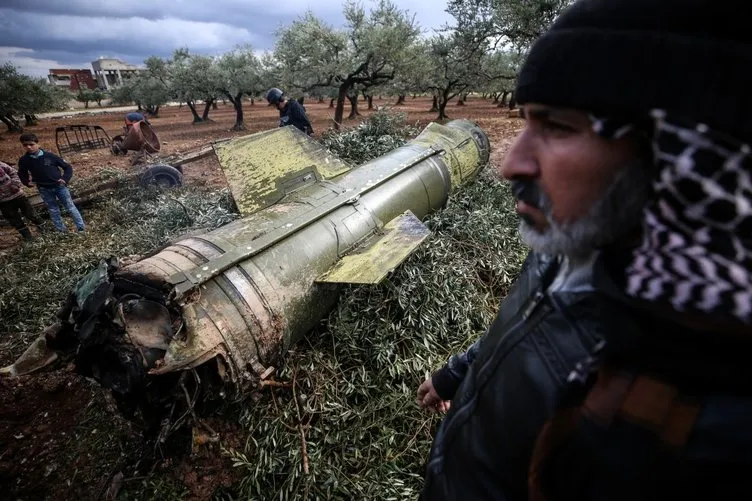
147	323
380	255
264	167
198	341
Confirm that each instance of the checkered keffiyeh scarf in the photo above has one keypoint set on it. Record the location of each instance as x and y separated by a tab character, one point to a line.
696	250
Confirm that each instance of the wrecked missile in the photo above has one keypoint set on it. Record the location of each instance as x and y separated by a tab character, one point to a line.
210	315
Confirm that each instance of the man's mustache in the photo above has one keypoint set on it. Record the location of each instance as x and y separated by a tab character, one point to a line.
529	192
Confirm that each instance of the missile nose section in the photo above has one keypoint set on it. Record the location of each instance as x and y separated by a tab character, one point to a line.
466	149
479	137
221	307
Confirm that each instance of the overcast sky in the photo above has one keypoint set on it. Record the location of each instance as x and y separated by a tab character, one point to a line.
42	34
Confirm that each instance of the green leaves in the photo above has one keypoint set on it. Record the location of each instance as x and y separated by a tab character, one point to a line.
239	72
517	23
380	133
21	94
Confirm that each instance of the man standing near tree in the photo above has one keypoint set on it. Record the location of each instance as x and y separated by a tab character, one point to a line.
291	112
51	175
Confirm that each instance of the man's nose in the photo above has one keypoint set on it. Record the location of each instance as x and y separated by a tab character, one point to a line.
520	161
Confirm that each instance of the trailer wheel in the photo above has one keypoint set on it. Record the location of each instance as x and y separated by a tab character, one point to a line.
163	175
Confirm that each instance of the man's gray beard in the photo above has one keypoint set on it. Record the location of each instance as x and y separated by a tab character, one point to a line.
612	217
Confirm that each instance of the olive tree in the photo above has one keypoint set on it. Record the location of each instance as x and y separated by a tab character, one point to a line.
369	51
239	73
308	55
456	66
416	77
149	89
517	23
86	96
499	72
21	95
194	78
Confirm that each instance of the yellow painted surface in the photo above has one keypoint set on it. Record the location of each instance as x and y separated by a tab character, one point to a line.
380	255
461	153
256	165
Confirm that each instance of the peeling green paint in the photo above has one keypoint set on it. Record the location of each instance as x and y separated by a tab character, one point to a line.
460	153
261	168
380	255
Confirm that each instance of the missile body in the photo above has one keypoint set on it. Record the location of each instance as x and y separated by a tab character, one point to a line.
224	305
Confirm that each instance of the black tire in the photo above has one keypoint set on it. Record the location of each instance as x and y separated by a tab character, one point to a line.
117	146
163	175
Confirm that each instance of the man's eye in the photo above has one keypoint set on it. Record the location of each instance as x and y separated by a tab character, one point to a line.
557	127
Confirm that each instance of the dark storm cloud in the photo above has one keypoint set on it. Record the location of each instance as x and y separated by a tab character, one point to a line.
250	14
72	32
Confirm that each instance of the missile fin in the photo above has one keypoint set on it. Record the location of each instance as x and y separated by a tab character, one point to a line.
263	168
379	255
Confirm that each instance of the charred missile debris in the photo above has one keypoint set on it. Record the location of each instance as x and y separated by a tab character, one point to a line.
209	316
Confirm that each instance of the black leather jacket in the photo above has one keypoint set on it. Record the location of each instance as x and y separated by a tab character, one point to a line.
523	368
511	388
294	114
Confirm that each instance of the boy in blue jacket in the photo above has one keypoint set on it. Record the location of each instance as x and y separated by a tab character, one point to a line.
51	175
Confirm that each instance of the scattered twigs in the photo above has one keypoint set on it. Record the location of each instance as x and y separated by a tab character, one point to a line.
190	403
303	444
274	384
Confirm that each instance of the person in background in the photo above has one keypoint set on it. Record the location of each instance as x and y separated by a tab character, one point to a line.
291	112
51	175
132	118
14	204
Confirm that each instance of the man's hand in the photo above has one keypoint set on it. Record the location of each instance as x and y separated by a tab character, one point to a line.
429	399
61	181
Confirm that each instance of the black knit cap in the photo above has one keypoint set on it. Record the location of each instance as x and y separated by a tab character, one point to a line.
622	58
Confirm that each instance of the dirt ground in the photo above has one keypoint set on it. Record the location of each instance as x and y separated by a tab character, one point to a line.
60	436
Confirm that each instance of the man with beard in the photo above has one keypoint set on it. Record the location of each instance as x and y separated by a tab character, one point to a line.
616	366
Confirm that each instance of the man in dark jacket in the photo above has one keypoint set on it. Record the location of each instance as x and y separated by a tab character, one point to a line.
291	112
618	368
51	175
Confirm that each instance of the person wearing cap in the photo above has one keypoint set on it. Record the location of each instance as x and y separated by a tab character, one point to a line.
291	112
617	366
132	118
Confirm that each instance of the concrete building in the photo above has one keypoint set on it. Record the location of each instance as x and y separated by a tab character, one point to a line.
73	79
112	72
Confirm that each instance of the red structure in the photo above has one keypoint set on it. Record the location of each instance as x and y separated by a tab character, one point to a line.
75	80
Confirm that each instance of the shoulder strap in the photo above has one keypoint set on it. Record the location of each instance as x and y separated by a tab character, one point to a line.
641	400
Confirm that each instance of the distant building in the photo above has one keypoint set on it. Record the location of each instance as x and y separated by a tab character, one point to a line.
112	72
73	79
